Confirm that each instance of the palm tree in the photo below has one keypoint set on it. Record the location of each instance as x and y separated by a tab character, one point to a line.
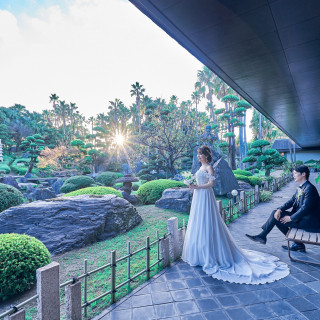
196	97
137	91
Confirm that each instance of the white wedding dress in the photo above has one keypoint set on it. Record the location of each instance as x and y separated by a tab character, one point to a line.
208	243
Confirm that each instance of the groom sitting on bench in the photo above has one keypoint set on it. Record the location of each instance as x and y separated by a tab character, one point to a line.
305	213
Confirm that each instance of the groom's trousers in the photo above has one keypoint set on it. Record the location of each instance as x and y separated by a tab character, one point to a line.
283	227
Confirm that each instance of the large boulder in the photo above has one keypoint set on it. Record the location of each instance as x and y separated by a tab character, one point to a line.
9	181
56	186
66	223
225	180
42	194
178	199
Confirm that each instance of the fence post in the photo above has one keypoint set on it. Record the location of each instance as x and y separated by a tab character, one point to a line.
256	194
85	287
221	211
73	301
148	257
242	201
165	252
20	315
113	276
173	238
266	184
181	233
274	186
48	288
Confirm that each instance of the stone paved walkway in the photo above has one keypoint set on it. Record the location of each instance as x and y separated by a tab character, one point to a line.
183	292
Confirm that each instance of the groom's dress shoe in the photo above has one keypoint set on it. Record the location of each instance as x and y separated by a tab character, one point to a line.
296	247
257	238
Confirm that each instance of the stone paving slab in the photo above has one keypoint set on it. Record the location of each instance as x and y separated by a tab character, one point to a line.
181	292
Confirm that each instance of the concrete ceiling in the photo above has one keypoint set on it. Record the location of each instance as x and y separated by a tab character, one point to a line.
266	50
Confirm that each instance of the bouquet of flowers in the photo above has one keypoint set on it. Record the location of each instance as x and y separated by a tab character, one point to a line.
189	179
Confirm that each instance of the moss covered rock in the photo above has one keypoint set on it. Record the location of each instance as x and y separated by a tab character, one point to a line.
75	183
94	190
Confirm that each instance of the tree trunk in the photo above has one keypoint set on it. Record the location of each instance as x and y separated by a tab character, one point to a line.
259	126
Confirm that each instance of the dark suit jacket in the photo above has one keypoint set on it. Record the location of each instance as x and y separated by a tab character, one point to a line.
305	211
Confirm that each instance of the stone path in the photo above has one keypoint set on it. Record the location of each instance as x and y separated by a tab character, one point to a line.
181	292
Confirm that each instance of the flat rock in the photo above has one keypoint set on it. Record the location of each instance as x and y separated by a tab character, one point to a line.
178	199
66	223
244	185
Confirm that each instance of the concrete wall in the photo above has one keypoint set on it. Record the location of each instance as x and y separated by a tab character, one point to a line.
305	155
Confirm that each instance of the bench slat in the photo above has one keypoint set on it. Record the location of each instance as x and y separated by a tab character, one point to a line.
292	233
305	236
313	237
299	234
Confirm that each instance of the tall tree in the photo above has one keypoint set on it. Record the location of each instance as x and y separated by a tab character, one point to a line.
138	91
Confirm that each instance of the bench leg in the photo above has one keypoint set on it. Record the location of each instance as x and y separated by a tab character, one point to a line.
300	260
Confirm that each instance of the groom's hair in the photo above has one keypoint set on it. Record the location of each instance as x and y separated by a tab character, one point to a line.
302	169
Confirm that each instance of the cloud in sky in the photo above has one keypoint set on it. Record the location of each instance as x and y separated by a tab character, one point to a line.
87	52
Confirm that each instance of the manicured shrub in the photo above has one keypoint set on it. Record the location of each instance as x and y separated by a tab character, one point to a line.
119	175
20	257
7	160
255	181
148	177
152	191
4	168
118	185
9	197
75	183
256	171
265	196
135	186
143	172
242	178
94	190
242	172
107	178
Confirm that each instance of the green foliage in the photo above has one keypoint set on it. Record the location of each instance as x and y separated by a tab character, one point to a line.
77	143
75	183
107	178
135	186
256	171
255	181
118	185
269	152
259	144
219	111
148	177
152	191
4	168
242	178
253	152
20	257
250	159
223	145
9	197
244	104
230	98
265	196
7	160
229	135
94	190
242	172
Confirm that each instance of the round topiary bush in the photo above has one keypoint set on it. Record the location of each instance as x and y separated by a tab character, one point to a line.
107	178
242	178
75	183
152	191
255	181
143	172
118	185
9	197
94	190
20	257
242	172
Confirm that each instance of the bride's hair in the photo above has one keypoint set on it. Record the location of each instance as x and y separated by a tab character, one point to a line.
206	151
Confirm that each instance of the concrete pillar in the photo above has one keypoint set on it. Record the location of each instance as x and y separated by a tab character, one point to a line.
256	194
20	315
181	235
73	301
165	253
48	288
173	238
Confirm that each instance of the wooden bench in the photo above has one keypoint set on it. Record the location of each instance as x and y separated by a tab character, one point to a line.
305	237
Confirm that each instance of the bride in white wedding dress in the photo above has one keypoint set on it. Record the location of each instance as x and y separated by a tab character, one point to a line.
208	242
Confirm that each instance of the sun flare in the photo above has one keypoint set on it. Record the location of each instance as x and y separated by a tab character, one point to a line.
119	139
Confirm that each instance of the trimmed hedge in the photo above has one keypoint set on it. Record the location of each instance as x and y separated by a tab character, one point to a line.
9	197
107	178
20	257
94	190
255	181
242	178
23	167
152	191
148	177
242	172
75	183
